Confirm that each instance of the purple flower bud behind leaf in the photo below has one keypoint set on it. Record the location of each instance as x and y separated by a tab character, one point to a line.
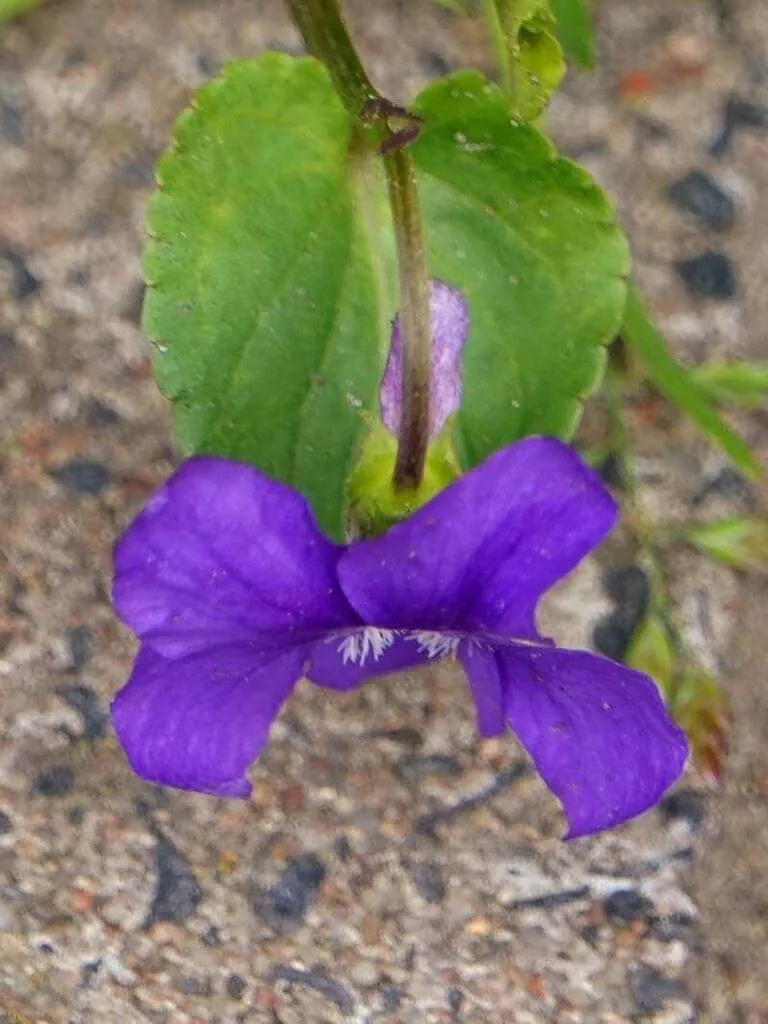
449	322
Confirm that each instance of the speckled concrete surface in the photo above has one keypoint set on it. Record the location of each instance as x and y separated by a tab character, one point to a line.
389	868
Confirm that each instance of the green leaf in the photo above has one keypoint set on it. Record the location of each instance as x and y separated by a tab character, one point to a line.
699	708
535	64
651	651
13	8
575	30
533	245
740	542
693	697
742	384
267	298
680	387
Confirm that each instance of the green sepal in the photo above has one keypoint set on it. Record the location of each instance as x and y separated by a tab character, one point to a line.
652	652
374	504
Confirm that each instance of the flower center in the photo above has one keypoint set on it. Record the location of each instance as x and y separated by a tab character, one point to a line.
370	642
362	643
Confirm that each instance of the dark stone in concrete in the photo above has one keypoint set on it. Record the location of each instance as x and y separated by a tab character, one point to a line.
651	989
320	983
685	804
627	905
698	193
177	892
82	476
427	880
11	124
418	767
97	414
58	781
236	986
709	275
23	281
79	638
87	702
285	903
611	636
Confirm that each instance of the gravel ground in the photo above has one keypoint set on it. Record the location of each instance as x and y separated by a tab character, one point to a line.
389	868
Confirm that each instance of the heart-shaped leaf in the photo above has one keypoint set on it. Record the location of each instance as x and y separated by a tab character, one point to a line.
533	245
267	300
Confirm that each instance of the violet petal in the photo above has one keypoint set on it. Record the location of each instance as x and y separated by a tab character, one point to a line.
197	722
479	555
481	666
598	732
448	321
220	552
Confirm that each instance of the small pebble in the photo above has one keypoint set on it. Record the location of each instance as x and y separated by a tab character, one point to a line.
177	892
738	114
212	937
56	782
391	996
23	282
190	985
709	275
11	124
418	767
741	113
87	703
82	476
698	193
79	639
611	636
630	588
651	989
427	880
676	928
434	63
236	986
285	903
612	471
97	414
627	905
318	982
88	973
683	805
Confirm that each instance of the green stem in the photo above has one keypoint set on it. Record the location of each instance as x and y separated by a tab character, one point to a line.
326	38
499	44
414	320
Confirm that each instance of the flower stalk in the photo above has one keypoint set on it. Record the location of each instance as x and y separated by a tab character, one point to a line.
325	35
413	436
326	38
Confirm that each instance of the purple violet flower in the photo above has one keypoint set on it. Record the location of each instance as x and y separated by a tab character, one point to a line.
235	595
